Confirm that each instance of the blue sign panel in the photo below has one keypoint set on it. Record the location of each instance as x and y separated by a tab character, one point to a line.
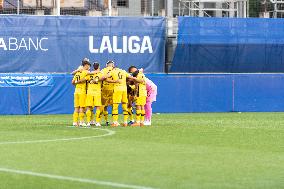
233	45
58	44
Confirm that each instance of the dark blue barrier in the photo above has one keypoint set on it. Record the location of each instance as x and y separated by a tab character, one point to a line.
176	93
14	100
259	93
193	93
56	99
233	45
58	44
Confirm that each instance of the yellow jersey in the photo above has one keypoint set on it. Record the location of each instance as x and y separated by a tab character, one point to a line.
94	88
142	91
121	75
80	88
106	85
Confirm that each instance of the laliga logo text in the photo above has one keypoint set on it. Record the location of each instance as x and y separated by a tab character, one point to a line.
128	44
132	44
14	44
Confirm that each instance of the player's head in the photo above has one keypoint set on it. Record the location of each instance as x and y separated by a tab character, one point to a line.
86	63
96	66
134	74
132	69
110	63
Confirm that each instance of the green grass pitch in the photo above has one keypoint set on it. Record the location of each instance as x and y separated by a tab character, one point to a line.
183	151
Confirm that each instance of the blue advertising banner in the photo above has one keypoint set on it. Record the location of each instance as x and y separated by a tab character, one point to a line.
192	93
232	45
25	80
58	44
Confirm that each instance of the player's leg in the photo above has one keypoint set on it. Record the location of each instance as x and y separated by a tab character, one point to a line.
76	117
117	97
130	114
89	115
125	114
124	108
138	115
92	117
105	103
76	110
105	113
140	111
92	110
89	109
82	102
148	113
82	116
98	105
98	116
142	104
130	110
142	117
115	114
109	103
148	107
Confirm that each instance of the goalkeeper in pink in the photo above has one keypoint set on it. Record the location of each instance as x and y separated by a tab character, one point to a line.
151	97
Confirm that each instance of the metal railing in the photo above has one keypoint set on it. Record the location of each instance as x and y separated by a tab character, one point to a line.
84	7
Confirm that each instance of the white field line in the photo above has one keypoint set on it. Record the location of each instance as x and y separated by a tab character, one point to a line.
73	179
109	133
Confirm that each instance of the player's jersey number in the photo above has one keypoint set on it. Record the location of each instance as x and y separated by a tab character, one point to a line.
77	78
119	75
92	78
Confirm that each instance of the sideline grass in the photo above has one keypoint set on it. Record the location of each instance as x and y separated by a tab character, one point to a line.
214	150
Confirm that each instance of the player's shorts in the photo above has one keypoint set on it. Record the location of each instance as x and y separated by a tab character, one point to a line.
120	97
107	96
93	100
141	101
79	100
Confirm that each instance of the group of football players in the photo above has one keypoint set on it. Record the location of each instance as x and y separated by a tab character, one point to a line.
97	89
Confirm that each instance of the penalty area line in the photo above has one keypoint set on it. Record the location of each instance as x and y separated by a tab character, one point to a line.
73	179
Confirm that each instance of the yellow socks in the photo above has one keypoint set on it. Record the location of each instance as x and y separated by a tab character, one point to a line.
81	117
115	112
142	116
89	115
125	113
75	117
98	115
138	116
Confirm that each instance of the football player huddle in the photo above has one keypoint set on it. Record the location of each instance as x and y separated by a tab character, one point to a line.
97	89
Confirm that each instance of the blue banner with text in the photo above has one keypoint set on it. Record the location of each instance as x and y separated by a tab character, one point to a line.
25	80
58	44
